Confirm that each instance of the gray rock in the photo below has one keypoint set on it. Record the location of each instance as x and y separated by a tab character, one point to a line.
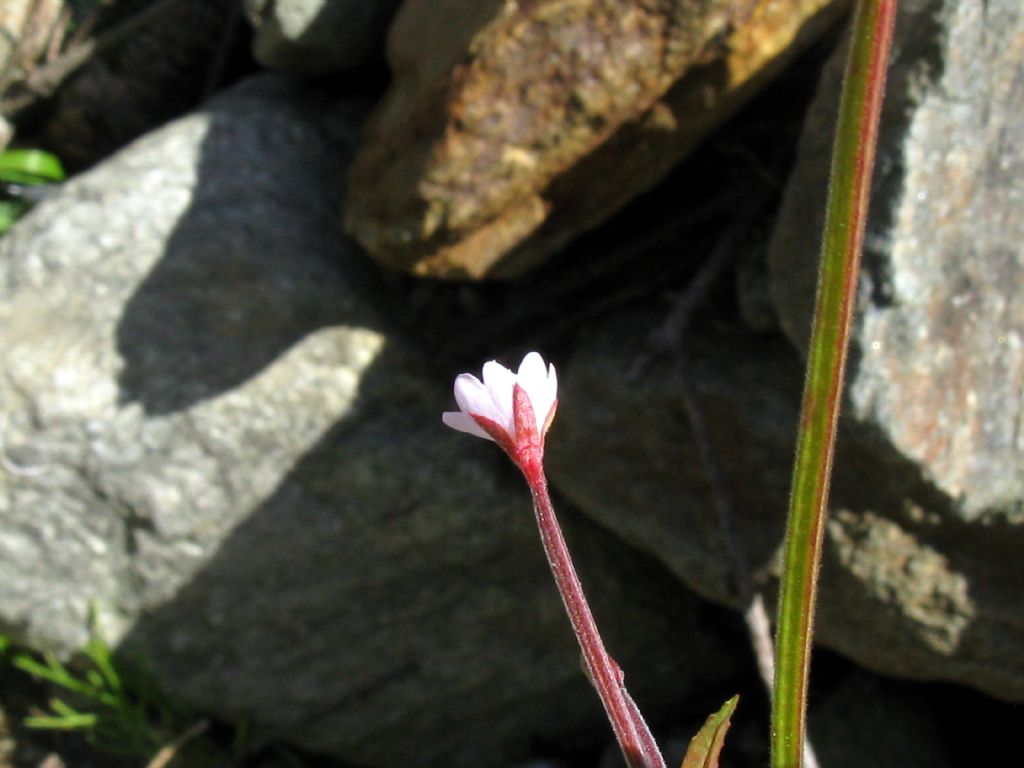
108	357
906	589
644	478
163	68
937	374
938	351
316	37
922	572
211	431
867	720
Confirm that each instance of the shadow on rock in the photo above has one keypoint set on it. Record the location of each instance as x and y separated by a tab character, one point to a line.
309	549
389	603
253	264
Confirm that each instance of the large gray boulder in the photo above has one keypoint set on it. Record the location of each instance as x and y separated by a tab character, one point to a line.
922	572
212	432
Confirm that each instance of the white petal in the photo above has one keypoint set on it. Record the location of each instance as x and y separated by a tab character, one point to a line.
531	371
492	397
550	395
473	396
463	423
540	384
500	381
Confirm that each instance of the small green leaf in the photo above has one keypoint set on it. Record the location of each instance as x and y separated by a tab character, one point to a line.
10	212
98	652
707	744
50	723
30	166
66	718
64	709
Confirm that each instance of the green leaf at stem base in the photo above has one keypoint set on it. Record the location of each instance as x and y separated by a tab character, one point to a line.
707	744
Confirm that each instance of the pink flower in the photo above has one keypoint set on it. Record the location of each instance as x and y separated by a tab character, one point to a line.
514	410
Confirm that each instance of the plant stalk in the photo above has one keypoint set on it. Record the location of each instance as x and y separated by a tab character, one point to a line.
852	164
634	737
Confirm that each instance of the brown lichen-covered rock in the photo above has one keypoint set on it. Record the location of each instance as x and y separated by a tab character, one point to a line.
521	124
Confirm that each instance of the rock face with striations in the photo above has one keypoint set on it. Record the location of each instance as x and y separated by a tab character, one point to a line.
523	124
922	572
212	431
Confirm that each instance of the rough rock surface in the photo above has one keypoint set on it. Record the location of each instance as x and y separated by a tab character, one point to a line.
26	29
165	67
210	431
938	350
644	477
922	572
940	334
316	37
902	720
523	124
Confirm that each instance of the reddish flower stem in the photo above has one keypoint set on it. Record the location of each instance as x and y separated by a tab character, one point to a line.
634	737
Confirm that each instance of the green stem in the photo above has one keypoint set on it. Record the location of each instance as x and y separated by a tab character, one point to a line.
853	160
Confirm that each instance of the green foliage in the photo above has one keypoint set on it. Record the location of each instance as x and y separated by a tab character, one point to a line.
30	166
116	706
706	747
10	212
25	167
114	716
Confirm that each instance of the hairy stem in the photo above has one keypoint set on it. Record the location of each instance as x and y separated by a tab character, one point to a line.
852	163
634	737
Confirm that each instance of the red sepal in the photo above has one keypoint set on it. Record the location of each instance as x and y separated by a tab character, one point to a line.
497	433
529	443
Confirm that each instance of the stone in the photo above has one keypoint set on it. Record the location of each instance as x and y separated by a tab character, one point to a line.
214	432
921	568
938	339
27	29
170	60
902	718
523	124
906	590
937	353
105	348
318	37
644	478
